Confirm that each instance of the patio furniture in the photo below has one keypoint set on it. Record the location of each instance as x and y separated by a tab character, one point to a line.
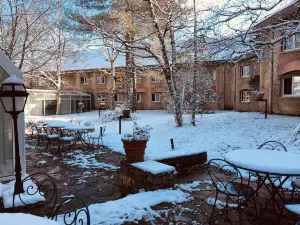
40	195
97	137
273	145
22	218
79	134
72	211
265	164
39	132
51	137
65	140
228	181
269	145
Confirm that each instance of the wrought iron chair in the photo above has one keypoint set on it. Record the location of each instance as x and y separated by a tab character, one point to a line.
268	145
97	137
228	181
40	195
292	205
273	145
51	137
40	133
72	211
65	140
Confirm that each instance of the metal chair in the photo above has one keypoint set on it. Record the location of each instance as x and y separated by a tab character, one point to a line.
228	181
292	205
40	187
40	133
65	140
97	137
51	137
273	145
72	211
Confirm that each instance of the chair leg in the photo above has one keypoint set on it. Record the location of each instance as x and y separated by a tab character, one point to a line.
212	212
47	144
226	208
240	213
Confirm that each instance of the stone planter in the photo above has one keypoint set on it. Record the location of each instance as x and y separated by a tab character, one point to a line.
135	150
258	97
126	113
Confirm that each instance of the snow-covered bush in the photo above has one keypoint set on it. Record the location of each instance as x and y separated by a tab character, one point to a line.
139	133
256	92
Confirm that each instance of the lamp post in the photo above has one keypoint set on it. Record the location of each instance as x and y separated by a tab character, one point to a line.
13	96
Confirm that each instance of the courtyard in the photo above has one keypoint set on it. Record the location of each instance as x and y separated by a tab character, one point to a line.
94	175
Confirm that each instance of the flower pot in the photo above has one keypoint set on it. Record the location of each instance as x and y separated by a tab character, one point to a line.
126	113
135	150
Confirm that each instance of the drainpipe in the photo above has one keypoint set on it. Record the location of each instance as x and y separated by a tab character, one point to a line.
272	76
224	87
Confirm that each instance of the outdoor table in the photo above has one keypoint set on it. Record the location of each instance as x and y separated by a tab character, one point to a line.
21	218
265	164
79	131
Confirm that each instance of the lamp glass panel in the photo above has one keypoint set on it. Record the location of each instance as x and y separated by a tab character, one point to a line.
7	103
20	103
19	88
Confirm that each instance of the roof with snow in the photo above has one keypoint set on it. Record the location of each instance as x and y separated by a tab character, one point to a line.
8	66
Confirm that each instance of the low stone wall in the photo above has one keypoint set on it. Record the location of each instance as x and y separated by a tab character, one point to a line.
183	162
133	179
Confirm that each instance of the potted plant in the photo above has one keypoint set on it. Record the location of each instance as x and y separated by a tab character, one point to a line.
136	143
258	95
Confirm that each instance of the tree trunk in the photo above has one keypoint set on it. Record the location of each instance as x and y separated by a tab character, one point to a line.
134	90
113	85
58	98
194	101
129	75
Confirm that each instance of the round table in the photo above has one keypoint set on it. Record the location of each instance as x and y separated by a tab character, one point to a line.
21	218
265	164
79	133
265	161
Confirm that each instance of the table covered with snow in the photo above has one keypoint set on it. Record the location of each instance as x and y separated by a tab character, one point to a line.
265	161
79	128
20	218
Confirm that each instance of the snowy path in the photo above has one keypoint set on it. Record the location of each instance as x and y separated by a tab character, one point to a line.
215	133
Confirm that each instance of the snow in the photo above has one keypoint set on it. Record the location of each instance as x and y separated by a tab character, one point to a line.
87	161
220	204
295	208
13	79
154	167
134	207
266	161
191	187
21	218
33	196
74	127
216	133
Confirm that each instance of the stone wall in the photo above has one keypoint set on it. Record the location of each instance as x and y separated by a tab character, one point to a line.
133	179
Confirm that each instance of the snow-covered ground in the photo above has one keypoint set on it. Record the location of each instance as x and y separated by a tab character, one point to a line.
215	133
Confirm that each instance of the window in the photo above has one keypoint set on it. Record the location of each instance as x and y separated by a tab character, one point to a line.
245	71
292	42
156	97
83	80
101	97
245	96
138	97
138	80
155	79
100	79
291	85
214	75
118	98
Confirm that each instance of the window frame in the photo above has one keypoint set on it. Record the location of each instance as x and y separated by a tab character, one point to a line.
156	93
102	97
242	71
293	45
118	97
292	88
140	94
155	80
102	76
241	96
86	80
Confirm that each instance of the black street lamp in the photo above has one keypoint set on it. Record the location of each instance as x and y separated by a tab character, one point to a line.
13	96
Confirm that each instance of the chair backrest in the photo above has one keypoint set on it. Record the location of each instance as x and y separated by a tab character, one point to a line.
223	174
78	122
103	130
72	211
87	123
273	145
39	197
